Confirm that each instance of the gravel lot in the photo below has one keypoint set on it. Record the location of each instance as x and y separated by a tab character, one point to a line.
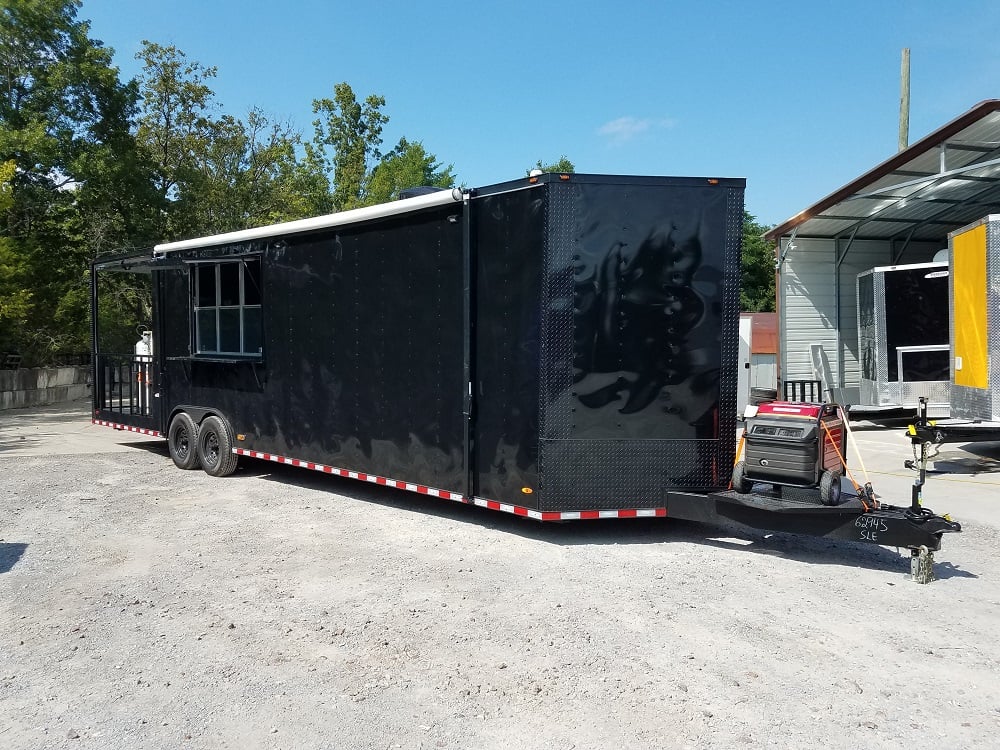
146	607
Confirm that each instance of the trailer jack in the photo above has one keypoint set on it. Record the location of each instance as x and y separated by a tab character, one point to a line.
922	435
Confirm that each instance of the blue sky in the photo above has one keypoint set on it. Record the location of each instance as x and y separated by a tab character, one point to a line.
798	97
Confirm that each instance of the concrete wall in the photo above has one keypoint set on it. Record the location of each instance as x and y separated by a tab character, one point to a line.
42	385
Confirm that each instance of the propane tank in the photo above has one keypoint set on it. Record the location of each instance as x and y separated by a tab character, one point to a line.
144	346
143	370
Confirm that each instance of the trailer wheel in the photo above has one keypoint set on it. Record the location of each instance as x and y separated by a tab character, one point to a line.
829	488
215	447
182	441
740	482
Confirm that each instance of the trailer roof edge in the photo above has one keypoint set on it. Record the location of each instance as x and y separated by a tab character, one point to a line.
394	208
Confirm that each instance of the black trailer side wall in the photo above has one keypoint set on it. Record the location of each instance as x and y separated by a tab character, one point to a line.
603	333
606	348
362	361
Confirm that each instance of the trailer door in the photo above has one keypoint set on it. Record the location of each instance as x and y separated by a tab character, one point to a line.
125	376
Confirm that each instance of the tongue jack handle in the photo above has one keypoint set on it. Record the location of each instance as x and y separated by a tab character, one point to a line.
922	434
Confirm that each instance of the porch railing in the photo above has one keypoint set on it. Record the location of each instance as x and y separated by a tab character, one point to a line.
124	383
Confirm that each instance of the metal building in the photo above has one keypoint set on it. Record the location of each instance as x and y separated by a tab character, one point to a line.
899	212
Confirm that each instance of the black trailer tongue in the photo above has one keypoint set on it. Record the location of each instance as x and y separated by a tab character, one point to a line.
887	525
788	480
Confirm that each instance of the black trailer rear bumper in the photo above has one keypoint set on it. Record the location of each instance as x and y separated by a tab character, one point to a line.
887	525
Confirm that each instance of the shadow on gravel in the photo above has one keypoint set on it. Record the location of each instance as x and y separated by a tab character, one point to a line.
806	549
159	447
10	553
60	416
20	441
973	458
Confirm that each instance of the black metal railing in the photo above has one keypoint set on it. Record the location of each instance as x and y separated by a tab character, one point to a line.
810	391
124	383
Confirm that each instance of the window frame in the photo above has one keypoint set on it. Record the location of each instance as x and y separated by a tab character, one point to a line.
198	310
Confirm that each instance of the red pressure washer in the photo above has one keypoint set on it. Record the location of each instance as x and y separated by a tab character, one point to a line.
796	445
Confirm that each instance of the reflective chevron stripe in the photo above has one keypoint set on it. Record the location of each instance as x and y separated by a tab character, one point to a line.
126	427
516	510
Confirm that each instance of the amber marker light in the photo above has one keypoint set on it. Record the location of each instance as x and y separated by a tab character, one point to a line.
564	177
712	181
526	490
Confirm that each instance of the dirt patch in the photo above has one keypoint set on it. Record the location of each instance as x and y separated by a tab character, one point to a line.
143	606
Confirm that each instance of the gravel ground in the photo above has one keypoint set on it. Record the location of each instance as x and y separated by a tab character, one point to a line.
146	607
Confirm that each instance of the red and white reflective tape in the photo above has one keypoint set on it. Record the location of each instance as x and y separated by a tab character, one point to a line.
517	510
572	515
126	427
373	478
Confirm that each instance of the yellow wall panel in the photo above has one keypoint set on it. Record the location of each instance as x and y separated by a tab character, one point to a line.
969	314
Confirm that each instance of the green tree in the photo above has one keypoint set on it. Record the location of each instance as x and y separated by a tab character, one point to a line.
757	279
563	166
7	171
407	165
64	122
304	187
175	124
238	176
15	300
352	130
215	172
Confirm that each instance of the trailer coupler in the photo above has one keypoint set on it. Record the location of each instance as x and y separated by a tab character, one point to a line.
915	529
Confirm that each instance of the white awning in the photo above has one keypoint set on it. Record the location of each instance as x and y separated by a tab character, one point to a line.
341	218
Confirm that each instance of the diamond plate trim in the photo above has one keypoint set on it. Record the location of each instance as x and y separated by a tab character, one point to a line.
611	476
976	403
558	291
730	327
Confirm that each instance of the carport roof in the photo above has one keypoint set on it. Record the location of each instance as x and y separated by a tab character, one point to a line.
942	182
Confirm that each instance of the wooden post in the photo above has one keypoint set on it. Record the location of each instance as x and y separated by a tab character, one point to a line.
904	100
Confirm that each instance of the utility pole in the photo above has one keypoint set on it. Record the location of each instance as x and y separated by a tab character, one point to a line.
904	100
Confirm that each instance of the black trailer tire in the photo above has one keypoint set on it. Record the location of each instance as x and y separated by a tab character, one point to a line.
829	488
215	447
182	441
760	396
740	482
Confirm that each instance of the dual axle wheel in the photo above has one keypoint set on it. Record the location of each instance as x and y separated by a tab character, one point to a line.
208	445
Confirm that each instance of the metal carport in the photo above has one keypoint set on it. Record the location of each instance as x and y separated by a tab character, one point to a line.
901	211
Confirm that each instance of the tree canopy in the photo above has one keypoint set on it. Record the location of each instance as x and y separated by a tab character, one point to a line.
91	164
407	165
757	278
562	166
65	123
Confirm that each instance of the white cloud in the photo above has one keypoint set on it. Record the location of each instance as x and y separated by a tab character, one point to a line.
626	128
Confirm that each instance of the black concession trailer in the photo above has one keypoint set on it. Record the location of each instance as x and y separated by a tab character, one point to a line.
563	346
